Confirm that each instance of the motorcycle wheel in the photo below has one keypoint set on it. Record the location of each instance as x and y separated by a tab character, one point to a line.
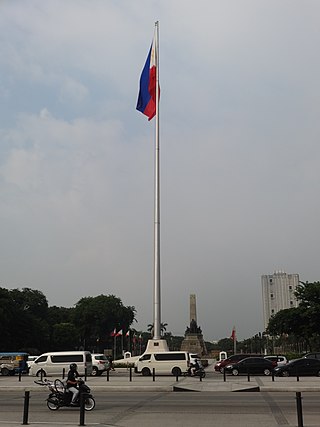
52	406
203	374
89	404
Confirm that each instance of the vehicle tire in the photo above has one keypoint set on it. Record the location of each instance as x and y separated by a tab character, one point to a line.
285	374
5	371
52	405
38	374
95	371
146	372
89	404
222	370
318	374
176	371
235	372
266	372
203	374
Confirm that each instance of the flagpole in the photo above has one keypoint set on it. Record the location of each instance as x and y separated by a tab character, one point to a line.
157	295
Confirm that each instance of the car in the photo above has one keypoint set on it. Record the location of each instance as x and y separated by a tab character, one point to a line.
299	367
281	360
251	365
219	366
312	356
100	364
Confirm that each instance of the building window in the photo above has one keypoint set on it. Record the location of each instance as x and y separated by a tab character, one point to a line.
272	311
290	287
291	302
270	280
272	296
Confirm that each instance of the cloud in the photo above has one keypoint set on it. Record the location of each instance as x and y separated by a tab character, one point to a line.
239	149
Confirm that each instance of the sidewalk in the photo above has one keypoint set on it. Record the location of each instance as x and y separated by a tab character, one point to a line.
214	382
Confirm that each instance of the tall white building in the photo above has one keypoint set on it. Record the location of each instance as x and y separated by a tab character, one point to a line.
278	293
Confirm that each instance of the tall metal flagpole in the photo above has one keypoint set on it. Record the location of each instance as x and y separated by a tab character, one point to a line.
157	294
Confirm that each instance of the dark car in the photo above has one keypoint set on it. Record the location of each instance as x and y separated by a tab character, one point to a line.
312	356
219	366
299	367
252	366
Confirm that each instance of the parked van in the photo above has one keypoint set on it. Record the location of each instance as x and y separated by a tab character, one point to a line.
53	363
165	362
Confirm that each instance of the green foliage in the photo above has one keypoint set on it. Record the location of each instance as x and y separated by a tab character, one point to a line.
28	323
65	336
23	319
96	317
302	322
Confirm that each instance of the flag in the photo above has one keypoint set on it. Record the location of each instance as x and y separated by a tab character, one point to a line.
148	82
128	334
113	333
233	334
119	334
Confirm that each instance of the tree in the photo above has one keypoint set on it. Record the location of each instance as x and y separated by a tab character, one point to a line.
302	322
23	316
163	328
97	317
65	336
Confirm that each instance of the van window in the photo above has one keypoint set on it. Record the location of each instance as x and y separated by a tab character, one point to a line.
88	357
66	358
168	356
145	357
41	359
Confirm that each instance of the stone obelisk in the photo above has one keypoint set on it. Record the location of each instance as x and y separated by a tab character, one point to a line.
193	307
193	341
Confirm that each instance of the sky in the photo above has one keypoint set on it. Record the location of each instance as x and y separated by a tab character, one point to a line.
239	153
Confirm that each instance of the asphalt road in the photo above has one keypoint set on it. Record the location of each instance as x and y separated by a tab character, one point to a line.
152	409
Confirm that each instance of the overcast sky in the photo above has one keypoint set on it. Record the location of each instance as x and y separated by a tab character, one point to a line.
240	175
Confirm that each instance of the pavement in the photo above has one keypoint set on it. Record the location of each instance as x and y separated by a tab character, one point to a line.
213	382
119	380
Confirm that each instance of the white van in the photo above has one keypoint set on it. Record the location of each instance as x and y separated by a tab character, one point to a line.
165	362
53	363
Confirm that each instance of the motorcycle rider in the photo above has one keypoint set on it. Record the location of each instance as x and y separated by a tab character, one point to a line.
72	383
195	367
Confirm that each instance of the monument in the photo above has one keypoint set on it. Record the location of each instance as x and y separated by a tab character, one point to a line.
193	341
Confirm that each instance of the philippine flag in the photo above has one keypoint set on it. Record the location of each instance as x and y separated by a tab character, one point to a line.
148	81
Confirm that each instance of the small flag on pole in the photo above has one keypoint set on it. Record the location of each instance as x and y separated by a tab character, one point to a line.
128	334
148	82
119	334
113	333
233	334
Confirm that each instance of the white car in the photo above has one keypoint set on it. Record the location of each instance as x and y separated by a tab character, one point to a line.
100	364
281	360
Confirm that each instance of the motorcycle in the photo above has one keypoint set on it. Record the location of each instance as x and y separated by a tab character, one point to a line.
200	372
60	396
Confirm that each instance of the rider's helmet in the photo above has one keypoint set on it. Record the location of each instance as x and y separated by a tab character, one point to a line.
73	366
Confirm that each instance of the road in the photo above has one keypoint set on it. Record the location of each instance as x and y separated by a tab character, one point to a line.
185	409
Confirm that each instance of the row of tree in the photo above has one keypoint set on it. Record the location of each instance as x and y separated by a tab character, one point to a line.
298	328
29	324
